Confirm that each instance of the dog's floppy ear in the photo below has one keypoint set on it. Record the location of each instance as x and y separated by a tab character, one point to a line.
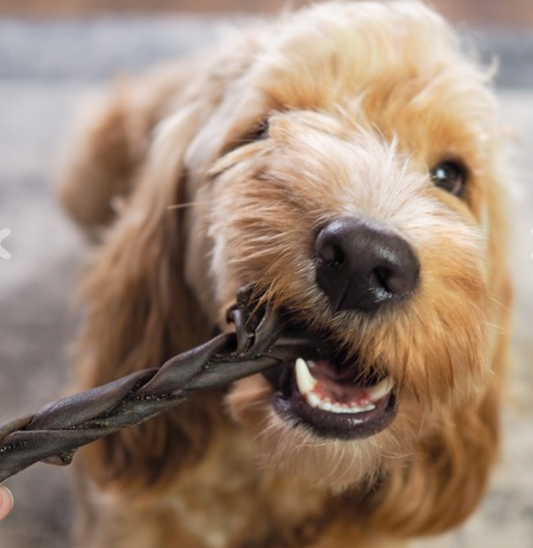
446	480
103	157
139	312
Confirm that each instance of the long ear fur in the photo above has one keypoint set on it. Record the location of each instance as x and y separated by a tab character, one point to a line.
104	159
140	312
446	480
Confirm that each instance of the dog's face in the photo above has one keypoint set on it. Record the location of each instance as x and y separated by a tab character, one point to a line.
350	172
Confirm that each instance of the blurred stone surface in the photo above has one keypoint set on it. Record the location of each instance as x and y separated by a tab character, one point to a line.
47	70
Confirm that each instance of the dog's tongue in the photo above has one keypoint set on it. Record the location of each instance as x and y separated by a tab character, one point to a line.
338	383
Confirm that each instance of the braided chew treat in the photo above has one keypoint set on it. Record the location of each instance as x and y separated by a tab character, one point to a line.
54	433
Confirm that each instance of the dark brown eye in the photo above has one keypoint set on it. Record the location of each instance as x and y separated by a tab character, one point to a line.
450	176
258	132
261	132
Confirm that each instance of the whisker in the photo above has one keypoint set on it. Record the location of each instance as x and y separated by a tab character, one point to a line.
499	328
187	204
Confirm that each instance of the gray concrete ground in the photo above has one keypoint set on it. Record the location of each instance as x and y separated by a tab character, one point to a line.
46	72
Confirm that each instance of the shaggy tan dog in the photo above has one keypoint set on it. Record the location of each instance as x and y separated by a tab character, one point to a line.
346	159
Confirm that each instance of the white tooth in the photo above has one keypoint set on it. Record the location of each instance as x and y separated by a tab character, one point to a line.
306	382
312	399
325	405
362	409
379	390
336	408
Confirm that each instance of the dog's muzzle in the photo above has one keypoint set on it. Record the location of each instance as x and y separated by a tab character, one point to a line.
360	267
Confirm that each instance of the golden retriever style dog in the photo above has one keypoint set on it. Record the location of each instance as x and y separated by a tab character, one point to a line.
346	160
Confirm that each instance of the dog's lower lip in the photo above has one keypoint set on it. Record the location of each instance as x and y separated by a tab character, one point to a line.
345	426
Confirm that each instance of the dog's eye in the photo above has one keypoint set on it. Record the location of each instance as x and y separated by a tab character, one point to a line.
450	176
259	133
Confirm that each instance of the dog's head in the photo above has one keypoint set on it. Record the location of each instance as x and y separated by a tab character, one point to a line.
345	161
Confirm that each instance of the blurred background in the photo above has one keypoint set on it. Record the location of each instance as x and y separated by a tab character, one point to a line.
508	13
57	55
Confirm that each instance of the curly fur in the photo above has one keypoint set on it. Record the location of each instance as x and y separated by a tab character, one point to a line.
361	100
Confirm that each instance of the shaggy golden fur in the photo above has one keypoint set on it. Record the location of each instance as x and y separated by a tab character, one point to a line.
340	109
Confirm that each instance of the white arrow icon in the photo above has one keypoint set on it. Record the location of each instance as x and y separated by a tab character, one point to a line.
4	234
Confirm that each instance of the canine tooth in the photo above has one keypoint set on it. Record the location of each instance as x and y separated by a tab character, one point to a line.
325	406
305	381
379	390
312	399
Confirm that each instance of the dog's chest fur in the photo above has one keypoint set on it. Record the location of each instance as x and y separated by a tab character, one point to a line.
230	497
232	500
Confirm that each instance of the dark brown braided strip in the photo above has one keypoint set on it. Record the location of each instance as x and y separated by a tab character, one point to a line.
54	433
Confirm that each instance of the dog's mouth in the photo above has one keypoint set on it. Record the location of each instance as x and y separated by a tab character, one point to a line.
332	397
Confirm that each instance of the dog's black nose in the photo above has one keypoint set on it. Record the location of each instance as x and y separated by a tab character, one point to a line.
361	265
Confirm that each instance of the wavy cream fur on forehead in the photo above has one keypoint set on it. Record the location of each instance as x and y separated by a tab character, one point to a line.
360	42
375	35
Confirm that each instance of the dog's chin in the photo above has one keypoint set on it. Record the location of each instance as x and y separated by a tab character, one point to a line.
319	451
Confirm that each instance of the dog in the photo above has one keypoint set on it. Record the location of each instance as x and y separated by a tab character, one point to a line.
346	159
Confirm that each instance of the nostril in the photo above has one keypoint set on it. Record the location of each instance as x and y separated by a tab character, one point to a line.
399	284
329	249
383	276
394	282
331	255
